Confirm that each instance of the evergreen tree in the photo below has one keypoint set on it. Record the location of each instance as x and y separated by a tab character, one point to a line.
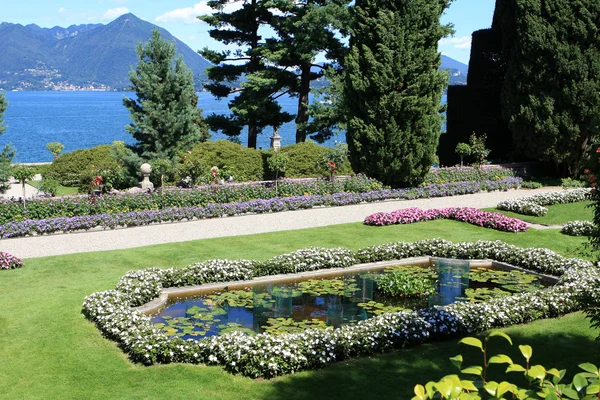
165	115
304	29
255	105
8	153
393	88
551	94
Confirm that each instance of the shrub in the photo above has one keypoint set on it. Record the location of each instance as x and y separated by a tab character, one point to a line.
402	284
542	383
8	261
578	228
463	150
531	185
534	205
232	159
70	168
571	183
306	160
466	174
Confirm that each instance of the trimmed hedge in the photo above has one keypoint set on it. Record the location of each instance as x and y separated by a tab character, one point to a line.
243	163
69	168
306	160
271	355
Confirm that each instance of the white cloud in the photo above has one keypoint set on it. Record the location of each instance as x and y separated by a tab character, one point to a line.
192	38
114	13
463	42
188	15
62	10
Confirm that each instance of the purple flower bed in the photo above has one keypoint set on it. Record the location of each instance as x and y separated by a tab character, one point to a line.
464	214
213	210
8	261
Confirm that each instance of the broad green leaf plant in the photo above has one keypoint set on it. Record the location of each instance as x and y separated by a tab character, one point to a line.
542	383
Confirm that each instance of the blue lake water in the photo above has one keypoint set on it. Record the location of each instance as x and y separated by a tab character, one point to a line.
86	119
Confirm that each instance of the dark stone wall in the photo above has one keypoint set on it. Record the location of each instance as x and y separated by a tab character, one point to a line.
477	107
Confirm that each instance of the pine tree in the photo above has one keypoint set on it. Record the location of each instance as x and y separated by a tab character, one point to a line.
304	29
393	88
551	94
165	115
255	105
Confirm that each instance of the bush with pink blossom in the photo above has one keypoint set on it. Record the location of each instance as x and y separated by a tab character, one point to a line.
8	261
473	216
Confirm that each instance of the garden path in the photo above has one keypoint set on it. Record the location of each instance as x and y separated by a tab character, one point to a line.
125	238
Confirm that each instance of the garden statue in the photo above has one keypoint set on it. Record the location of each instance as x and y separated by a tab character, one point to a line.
146	169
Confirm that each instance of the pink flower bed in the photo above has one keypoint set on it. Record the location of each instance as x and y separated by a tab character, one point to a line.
8	261
465	214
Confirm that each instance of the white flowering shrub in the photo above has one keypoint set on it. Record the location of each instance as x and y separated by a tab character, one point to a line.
309	259
535	205
578	228
269	355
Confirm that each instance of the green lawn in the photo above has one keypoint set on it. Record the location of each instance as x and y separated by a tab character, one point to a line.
60	191
558	214
49	350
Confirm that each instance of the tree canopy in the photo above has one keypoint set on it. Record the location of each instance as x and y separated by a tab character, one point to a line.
165	114
551	94
393	88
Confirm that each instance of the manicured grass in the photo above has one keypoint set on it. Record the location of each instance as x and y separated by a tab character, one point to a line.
60	190
49	350
558	214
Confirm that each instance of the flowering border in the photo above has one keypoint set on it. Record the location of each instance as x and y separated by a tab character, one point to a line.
534	205
470	215
578	228
8	261
214	210
270	355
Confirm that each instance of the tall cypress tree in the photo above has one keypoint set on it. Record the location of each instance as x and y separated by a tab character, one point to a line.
165	117
393	88
551	94
255	105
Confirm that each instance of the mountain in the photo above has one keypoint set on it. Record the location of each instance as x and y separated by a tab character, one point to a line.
458	71
93	56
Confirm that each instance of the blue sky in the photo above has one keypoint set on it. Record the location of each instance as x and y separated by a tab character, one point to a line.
178	17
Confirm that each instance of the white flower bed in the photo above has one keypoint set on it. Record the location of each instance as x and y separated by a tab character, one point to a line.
270	355
534	205
578	228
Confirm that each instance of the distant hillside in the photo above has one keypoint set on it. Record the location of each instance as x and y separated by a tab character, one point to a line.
93	56
458	71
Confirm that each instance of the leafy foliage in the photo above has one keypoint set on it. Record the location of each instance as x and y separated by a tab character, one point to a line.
255	105
306	160
463	150
55	148
543	383
393	89
8	153
70	168
232	159
404	284
165	115
551	94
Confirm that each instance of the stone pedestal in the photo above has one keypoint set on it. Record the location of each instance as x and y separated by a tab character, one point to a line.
275	140
146	184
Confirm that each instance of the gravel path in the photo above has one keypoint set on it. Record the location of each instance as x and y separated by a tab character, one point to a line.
125	238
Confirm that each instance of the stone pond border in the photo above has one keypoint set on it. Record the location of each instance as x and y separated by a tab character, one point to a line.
266	355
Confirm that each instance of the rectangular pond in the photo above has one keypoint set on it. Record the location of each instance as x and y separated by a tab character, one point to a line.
292	305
